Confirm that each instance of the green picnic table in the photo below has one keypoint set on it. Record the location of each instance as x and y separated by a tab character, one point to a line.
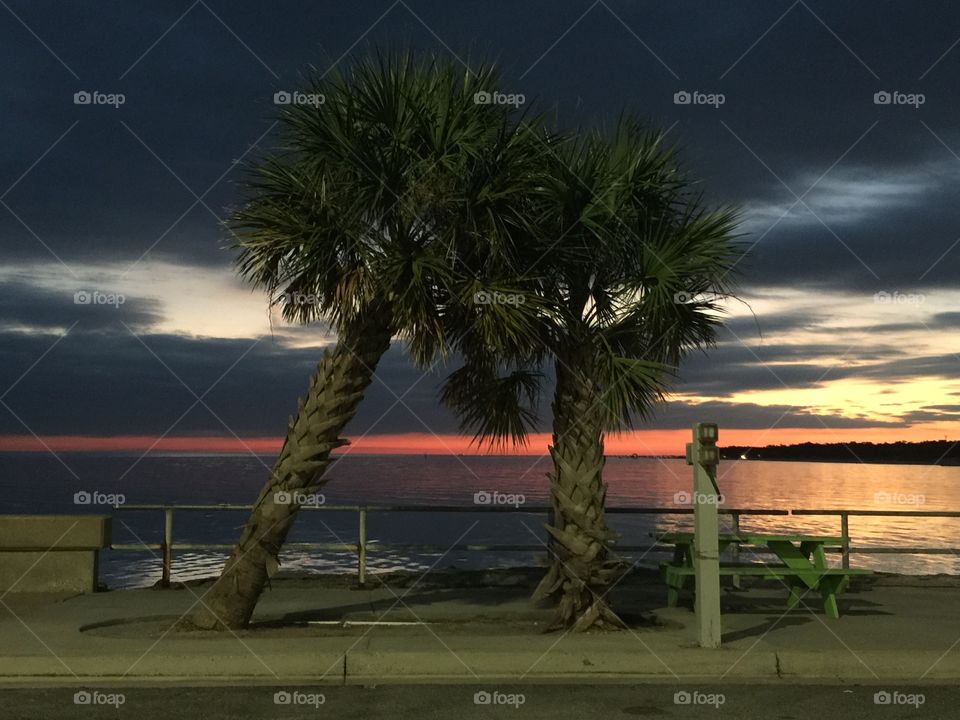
803	565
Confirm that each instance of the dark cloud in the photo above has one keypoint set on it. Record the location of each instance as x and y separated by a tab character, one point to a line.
105	383
679	414
920	416
96	184
29	307
106	380
750	327
767	328
945	366
945	320
197	99
905	249
733	367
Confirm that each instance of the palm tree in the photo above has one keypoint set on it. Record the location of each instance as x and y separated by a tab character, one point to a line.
620	239
387	181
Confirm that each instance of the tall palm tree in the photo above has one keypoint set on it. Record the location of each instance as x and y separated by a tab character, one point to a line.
621	244
385	185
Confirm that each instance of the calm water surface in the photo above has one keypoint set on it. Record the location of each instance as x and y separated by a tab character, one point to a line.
37	483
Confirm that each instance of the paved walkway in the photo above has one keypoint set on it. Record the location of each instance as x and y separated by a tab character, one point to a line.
450	627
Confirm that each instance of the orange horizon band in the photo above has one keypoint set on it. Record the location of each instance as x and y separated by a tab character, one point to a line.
640	442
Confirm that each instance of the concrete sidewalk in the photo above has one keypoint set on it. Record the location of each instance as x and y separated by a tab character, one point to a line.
467	628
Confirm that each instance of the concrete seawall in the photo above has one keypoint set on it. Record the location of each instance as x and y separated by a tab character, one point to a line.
51	553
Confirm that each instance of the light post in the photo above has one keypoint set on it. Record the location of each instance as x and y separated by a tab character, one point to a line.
703	454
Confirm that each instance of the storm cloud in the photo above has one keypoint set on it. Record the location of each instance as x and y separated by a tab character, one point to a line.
842	193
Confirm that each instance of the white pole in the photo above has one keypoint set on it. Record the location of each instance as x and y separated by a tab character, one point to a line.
702	453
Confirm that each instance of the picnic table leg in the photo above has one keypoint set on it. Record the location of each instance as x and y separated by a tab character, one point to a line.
795	593
836	586
687	561
682	557
820	561
813	551
735	547
829	587
673	592
844	579
675	584
805	557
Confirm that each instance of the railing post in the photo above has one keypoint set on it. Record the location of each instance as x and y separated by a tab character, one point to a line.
167	548
735	547
845	531
362	548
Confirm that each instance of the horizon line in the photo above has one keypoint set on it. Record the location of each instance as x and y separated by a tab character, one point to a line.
645	443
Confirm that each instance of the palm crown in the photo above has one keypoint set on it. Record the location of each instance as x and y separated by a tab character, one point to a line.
623	261
378	194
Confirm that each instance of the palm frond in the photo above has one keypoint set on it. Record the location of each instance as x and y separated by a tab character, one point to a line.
393	186
628	385
494	407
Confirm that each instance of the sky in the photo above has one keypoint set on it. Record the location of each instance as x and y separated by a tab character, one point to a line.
833	125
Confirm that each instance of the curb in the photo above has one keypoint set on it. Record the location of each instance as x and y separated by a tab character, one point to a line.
386	665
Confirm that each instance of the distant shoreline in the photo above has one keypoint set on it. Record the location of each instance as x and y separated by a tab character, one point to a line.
952	462
726	455
932	452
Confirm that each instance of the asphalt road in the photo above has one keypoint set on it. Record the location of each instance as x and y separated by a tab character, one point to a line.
459	702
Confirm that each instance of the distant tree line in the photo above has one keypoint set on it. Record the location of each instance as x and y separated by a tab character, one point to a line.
930	452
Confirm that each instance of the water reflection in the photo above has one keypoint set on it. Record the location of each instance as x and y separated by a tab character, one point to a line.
40	484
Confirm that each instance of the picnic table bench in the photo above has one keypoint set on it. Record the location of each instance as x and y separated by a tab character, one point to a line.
803	557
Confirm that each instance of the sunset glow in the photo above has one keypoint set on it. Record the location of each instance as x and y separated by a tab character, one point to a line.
640	442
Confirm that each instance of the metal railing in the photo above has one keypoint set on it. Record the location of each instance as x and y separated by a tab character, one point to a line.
845	516
363	547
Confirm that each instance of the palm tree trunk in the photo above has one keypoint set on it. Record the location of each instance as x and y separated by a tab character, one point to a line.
580	568
336	387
